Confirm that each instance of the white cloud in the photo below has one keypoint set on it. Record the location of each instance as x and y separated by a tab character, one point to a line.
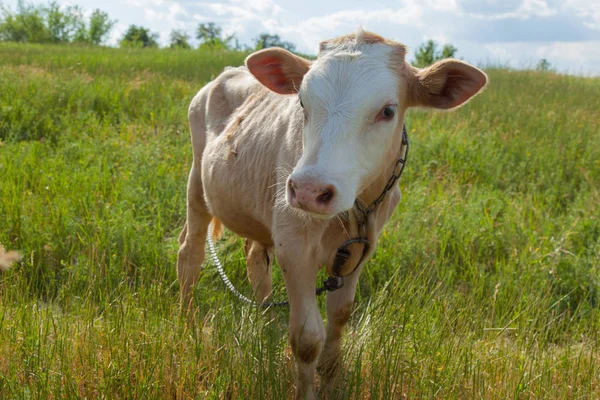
498	52
174	14
587	9
150	14
262	6
441	5
538	8
525	10
577	54
244	18
245	10
579	58
310	32
200	18
146	3
233	11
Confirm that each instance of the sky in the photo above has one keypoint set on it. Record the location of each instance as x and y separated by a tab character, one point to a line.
515	33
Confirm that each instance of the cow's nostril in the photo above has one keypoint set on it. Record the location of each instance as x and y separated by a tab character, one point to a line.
291	188
326	196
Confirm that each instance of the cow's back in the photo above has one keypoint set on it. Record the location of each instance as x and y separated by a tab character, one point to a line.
251	138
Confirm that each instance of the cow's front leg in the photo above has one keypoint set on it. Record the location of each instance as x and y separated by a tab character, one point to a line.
306	330
339	308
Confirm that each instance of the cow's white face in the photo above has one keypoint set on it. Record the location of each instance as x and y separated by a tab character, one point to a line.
354	97
351	109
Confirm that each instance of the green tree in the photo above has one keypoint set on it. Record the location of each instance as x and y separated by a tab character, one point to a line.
63	24
448	51
138	36
428	53
208	32
179	39
544	65
210	36
266	40
26	25
99	27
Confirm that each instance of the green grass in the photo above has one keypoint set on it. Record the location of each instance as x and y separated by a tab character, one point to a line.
486	282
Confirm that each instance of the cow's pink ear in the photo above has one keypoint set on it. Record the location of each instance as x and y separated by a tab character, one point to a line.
278	69
446	84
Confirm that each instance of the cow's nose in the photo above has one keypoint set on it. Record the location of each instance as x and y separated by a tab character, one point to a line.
311	196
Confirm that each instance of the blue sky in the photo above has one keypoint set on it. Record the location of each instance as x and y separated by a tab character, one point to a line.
514	32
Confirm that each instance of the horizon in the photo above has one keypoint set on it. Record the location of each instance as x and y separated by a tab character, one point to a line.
513	33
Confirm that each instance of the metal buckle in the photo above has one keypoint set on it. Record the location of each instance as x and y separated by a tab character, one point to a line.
333	283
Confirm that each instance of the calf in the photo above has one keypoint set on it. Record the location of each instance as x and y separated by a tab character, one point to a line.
289	152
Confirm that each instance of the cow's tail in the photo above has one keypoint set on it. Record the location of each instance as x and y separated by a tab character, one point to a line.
217	228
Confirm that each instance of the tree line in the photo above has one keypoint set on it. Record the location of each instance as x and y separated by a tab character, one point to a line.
52	23
209	35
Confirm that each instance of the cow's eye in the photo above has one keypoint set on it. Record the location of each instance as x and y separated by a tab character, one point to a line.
387	113
301	104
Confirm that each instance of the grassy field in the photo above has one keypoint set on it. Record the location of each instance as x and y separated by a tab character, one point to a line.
486	283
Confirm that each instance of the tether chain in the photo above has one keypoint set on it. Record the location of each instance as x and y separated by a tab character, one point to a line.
329	284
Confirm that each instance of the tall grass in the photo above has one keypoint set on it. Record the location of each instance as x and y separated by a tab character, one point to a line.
485	283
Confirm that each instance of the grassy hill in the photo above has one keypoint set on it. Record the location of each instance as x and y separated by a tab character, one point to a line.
486	282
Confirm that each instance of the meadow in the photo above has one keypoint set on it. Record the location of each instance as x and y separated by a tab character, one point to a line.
486	282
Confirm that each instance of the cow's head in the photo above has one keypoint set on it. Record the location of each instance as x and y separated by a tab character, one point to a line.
354	97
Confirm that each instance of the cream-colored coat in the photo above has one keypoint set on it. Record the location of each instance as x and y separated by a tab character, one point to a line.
246	141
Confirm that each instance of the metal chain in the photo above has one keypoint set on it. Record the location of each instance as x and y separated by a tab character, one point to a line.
227	282
330	284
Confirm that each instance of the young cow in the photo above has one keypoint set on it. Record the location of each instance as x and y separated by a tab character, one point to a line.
285	149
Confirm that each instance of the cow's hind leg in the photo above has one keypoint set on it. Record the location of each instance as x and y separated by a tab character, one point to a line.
259	261
192	238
